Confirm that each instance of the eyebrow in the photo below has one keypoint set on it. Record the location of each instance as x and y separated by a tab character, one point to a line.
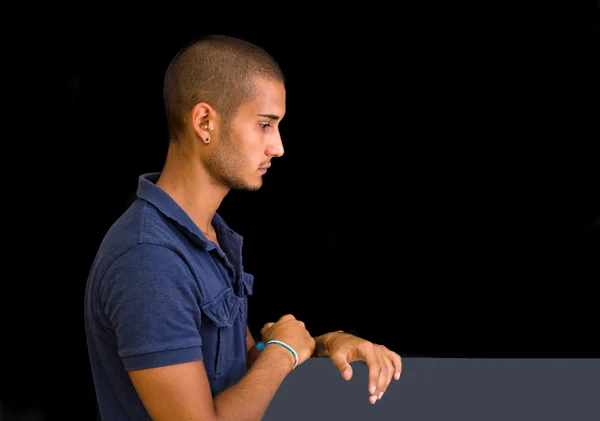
271	116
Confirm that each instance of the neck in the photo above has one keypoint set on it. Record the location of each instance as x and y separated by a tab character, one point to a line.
189	184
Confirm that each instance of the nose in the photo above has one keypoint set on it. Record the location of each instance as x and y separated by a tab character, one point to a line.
275	147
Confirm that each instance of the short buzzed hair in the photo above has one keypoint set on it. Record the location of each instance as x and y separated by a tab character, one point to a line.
218	70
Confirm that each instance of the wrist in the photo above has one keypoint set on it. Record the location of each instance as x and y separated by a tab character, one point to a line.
281	352
324	342
331	337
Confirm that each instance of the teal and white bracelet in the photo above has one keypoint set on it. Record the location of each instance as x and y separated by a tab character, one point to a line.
260	346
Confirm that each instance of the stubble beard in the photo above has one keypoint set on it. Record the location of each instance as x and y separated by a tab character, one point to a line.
227	165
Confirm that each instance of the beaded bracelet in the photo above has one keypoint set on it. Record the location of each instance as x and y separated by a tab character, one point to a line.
329	337
260	346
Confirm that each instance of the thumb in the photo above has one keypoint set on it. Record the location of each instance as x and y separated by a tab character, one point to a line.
340	361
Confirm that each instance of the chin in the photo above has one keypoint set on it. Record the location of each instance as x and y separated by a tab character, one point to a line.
247	186
244	183
254	187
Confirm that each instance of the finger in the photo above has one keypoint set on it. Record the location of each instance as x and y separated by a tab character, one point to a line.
286	318
374	370
367	354
386	375
388	358
340	360
265	327
397	362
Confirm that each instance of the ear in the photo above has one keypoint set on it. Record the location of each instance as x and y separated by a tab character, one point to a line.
203	121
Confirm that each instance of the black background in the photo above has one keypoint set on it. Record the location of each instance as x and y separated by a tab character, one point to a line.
438	193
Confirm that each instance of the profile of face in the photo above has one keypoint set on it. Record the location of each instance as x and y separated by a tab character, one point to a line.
245	148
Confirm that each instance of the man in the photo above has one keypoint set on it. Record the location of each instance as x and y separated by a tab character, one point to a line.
166	299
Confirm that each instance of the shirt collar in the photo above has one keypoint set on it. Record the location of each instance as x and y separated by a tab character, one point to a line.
148	190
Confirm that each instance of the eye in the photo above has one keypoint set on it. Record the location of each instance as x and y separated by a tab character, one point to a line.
264	126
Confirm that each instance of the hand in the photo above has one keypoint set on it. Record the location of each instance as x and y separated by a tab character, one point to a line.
292	332
382	363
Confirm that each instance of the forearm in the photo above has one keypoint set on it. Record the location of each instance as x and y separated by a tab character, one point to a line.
249	398
251	356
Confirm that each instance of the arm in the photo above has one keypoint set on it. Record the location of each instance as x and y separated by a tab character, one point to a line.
181	392
172	382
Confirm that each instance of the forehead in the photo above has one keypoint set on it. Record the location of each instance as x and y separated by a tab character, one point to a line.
270	98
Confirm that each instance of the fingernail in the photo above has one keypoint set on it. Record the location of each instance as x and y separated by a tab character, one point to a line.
380	395
397	376
372	389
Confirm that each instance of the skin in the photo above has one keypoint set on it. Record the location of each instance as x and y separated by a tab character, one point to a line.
198	176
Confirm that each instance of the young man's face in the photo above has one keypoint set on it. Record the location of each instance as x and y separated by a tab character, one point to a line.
246	147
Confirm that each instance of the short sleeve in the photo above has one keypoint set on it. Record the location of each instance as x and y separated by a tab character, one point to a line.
152	302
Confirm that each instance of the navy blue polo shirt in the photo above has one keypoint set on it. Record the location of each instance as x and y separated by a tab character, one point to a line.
160	293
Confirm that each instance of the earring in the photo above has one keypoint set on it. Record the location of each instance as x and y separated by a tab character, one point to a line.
207	139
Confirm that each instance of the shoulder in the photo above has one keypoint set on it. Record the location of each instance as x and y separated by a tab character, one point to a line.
140	240
151	281
149	263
